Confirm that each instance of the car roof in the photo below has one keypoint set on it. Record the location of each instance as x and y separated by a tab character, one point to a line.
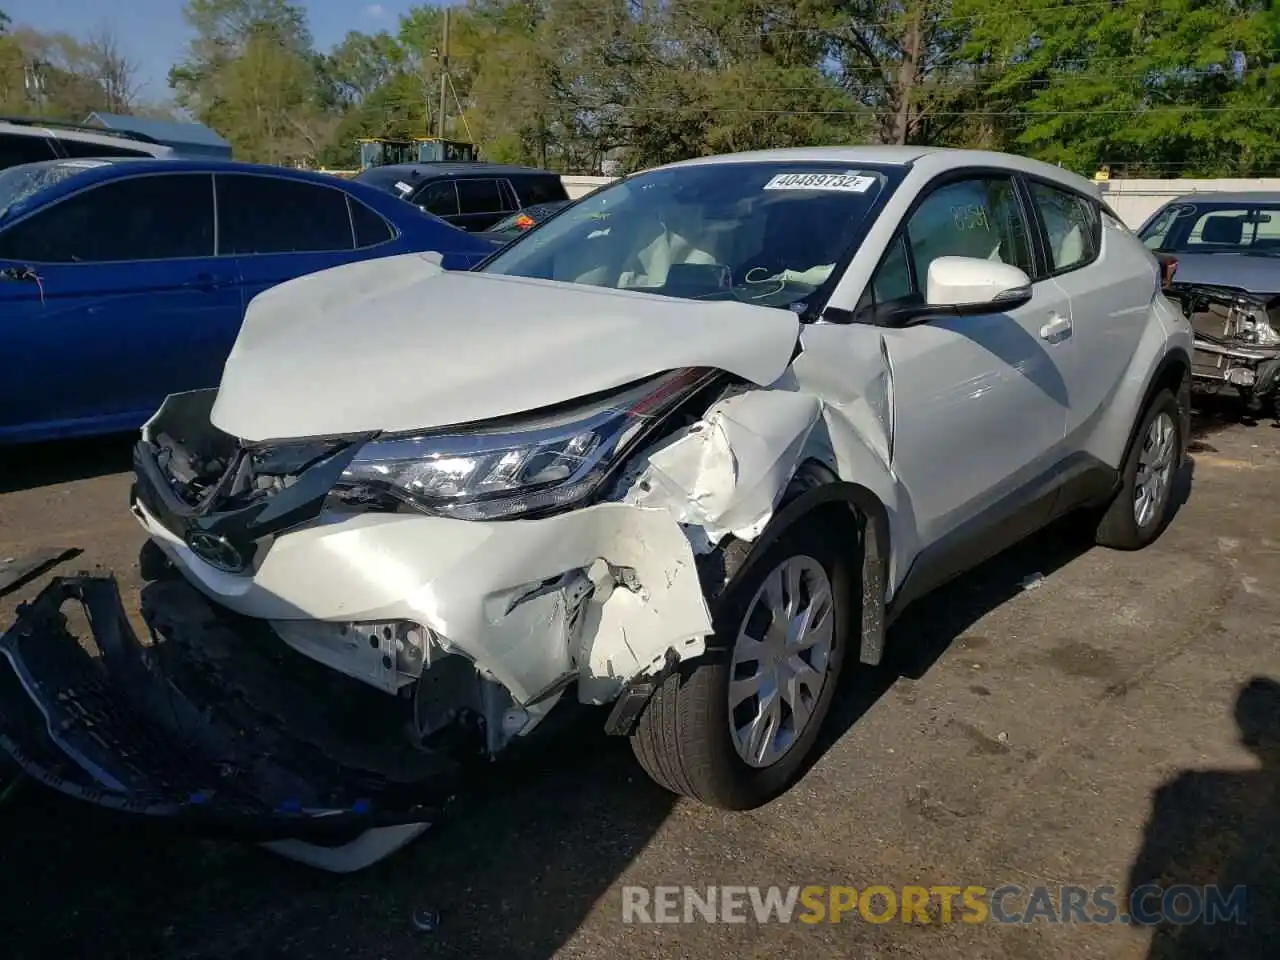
101	169
104	168
929	160
435	170
22	127
1245	197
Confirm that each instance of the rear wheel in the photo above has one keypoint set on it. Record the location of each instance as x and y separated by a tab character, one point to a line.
734	728
1143	506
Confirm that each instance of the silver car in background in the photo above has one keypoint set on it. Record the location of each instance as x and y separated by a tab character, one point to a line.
1223	253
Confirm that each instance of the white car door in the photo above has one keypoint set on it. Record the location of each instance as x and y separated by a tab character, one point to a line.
1110	282
980	403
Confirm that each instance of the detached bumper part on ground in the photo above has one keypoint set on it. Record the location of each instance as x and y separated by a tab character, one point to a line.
119	730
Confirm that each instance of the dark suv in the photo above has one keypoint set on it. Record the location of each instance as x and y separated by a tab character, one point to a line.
473	196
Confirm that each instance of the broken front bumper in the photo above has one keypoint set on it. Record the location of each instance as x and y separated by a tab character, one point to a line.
1255	369
148	731
531	603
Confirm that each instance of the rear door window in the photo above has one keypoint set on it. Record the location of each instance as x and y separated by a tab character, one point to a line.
150	217
1072	223
480	196
261	214
17	148
439	197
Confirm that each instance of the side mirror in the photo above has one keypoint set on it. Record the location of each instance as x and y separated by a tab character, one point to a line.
967	285
962	286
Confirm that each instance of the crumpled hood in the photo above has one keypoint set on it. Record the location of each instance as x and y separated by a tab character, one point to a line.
399	344
1253	274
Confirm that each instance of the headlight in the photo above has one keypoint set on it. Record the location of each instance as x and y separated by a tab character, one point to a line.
515	468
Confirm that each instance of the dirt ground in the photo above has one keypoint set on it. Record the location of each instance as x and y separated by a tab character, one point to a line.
1060	716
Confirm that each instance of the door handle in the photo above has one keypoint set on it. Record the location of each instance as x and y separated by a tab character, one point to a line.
1057	327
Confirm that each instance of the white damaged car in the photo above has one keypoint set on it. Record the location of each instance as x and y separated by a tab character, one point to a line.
683	450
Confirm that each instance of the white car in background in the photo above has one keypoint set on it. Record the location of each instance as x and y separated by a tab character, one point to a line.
686	448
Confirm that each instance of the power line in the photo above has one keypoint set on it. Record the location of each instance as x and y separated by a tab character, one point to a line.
969	84
873	114
1132	112
1232	66
1052	8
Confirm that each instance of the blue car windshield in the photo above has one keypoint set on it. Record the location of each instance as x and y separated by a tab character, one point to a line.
768	233
20	183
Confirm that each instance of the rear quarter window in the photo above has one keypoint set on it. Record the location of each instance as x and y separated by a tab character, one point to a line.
370	228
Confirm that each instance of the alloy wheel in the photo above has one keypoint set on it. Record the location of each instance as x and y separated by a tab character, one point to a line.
780	661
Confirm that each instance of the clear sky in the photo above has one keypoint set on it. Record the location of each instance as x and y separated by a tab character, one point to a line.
154	34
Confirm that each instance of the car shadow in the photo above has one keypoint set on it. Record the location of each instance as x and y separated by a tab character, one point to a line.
1214	413
513	874
925	630
1210	857
28	466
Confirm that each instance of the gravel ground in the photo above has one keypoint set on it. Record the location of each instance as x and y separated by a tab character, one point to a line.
1060	716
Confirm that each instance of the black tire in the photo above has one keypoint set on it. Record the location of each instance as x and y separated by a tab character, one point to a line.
682	738
1119	528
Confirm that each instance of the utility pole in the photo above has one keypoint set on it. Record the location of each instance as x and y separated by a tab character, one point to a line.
444	72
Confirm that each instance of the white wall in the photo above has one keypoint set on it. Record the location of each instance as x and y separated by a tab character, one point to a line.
1133	200
580	186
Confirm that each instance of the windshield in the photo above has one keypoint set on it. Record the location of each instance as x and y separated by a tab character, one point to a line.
18	184
1215	227
766	233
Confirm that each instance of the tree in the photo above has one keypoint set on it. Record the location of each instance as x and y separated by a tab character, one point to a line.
250	73
101	59
1182	86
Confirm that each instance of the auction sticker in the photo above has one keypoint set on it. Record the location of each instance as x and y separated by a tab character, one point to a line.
840	182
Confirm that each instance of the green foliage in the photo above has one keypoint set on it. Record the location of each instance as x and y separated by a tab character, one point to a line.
81	75
1181	85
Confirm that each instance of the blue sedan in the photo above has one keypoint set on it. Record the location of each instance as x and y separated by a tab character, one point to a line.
123	281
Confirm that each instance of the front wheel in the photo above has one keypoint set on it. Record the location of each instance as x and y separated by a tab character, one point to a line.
1144	504
733	728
